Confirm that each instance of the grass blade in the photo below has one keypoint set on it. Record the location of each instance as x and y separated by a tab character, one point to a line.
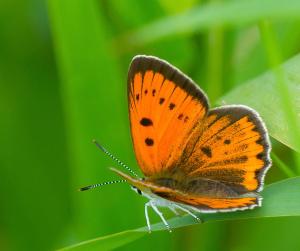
108	242
281	199
229	13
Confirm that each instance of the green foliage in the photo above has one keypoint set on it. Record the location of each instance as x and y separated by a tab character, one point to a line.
63	83
263	95
87	68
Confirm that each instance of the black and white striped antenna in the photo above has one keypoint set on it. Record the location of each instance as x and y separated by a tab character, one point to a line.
101	184
108	182
114	158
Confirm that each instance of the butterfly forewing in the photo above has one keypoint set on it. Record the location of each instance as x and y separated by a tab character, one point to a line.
164	106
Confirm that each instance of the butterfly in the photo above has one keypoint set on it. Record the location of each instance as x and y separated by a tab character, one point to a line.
194	158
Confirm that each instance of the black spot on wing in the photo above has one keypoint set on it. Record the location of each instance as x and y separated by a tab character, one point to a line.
227	141
146	122
161	101
171	106
153	92
207	151
149	142
260	156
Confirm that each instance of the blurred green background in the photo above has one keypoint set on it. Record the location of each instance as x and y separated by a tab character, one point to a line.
63	70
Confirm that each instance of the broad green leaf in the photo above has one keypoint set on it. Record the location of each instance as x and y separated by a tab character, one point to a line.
228	13
281	199
91	81
262	94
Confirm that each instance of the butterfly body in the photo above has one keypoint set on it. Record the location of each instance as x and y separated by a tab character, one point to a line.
195	159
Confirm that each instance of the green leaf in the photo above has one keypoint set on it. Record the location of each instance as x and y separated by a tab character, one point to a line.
262	94
229	13
281	199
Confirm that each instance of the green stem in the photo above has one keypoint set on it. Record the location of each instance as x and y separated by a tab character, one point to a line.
215	63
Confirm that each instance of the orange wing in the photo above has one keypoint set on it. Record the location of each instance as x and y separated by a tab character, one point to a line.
231	147
164	108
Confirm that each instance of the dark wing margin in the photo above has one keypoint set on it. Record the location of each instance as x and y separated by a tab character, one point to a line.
143	63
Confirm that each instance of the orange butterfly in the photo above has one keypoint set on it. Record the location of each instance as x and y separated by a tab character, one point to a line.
194	159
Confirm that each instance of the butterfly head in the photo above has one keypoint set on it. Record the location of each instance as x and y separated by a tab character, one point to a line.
138	185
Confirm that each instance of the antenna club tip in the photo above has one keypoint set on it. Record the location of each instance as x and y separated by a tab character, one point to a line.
94	141
84	188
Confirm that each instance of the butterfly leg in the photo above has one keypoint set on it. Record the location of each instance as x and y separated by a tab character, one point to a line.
160	215
147	216
188	212
173	209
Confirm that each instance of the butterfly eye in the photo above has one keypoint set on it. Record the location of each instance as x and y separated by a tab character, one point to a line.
139	191
136	190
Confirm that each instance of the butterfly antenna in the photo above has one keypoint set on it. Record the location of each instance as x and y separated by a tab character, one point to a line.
101	184
114	158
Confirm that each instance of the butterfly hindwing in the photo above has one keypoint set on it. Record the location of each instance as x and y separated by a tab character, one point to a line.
164	107
233	148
